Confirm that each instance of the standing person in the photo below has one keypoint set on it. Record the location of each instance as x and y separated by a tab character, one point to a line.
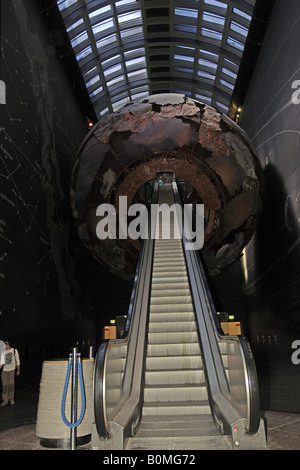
10	361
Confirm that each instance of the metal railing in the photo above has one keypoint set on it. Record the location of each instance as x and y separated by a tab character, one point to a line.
230	366
119	362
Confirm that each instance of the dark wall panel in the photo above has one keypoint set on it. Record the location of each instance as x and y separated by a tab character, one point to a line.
270	116
41	128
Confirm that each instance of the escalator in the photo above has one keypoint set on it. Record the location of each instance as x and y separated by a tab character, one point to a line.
175	381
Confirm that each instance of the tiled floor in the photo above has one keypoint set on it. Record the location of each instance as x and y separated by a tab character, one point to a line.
283	431
17	426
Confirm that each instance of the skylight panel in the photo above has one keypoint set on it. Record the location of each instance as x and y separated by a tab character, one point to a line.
96	92
122	3
99	11
62	5
137	75
106	62
207	63
87	51
74	25
216	3
242	14
238	28
139	93
93	80
138	61
227	84
186	47
115	80
99	27
229	72
140	89
79	39
231	64
140	50
222	106
203	98
186	28
183	70
188	12
234	43
186	58
129	16
119	104
104	111
125	33
207	75
111	70
93	69
212	18
210	55
210	33
107	40
138	96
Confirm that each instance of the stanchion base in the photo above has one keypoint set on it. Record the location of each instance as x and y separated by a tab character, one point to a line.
64	443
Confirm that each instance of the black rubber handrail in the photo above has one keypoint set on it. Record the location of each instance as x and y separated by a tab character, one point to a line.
254	398
99	390
251	380
248	358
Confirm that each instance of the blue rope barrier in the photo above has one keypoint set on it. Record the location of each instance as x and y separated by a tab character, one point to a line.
63	416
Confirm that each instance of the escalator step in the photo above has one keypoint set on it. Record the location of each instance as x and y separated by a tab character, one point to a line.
178	408
175	394
165	293
171	317
177	426
167	279
182	300
164	308
168	349
175	337
174	362
174	377
178	326
158	286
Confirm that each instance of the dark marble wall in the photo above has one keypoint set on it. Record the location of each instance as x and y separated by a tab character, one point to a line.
270	116
50	289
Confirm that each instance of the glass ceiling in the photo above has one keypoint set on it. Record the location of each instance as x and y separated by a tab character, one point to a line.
129	49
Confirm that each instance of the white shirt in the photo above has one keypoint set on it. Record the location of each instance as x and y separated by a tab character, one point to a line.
10	359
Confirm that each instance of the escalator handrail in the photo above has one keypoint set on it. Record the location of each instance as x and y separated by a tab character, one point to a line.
212	334
217	382
139	290
253	397
101	361
250	373
100	389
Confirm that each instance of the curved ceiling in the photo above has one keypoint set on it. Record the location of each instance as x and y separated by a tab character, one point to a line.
128	49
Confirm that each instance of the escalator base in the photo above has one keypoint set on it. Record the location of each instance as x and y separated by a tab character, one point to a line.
180	443
173	432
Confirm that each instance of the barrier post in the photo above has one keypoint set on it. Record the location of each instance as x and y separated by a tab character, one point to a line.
75	365
74	399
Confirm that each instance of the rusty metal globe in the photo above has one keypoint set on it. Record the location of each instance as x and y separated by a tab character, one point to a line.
209	154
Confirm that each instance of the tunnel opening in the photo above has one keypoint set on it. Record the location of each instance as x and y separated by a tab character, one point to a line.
188	196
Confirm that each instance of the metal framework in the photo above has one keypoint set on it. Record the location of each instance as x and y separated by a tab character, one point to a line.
127	49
